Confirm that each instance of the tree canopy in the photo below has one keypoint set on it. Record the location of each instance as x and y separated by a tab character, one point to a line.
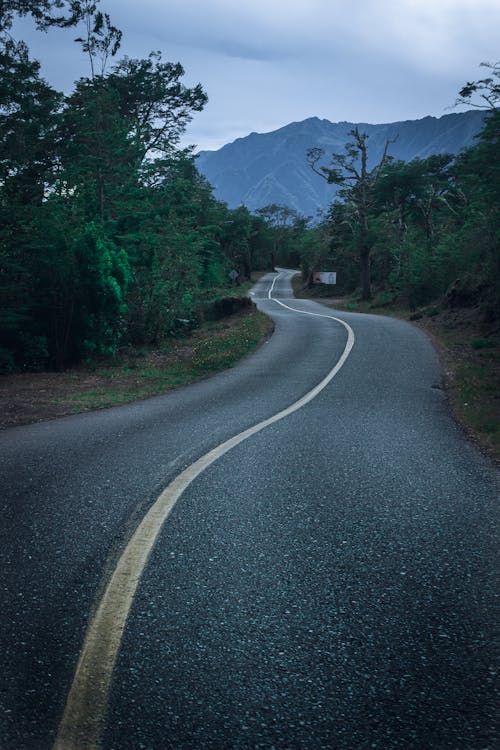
110	235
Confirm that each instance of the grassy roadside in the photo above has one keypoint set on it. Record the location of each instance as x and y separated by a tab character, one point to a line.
134	375
471	365
470	357
215	347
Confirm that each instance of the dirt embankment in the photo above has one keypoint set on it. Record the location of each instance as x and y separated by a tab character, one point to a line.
35	397
469	350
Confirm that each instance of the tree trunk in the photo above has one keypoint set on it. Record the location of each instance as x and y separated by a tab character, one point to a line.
364	263
273	260
364	249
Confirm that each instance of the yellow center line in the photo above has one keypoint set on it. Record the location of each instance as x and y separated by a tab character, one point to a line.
83	720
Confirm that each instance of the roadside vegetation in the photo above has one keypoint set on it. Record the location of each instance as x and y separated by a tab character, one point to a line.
134	373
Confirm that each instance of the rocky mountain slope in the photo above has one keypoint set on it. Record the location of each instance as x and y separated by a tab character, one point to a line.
271	167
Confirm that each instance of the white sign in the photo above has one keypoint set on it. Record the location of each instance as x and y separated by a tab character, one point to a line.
233	275
325	277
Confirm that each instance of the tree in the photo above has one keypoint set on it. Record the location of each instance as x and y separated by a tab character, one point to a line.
282	220
313	246
29	112
339	228
97	155
41	10
235	240
110	234
45	13
261	242
117	125
28	123
102	40
477	171
154	103
103	275
488	89
421	186
350	172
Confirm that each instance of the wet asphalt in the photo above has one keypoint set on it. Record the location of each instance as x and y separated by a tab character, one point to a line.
329	583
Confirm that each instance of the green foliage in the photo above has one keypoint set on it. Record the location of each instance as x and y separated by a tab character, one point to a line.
46	13
154	102
432	226
101	40
286	231
420	230
487	89
103	276
349	170
111	236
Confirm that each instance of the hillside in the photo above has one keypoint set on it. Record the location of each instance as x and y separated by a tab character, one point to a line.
271	167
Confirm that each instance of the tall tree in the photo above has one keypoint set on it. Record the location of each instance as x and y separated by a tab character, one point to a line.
29	110
155	103
97	154
350	171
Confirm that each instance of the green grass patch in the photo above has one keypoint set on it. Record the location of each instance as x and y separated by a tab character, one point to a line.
478	399
212	348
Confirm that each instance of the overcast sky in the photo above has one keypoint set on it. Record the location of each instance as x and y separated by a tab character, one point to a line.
265	63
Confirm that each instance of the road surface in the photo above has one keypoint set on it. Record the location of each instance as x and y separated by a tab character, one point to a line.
327	582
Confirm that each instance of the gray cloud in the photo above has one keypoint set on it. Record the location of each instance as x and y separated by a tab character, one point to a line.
269	62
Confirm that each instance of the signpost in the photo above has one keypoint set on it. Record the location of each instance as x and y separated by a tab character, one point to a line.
325	277
233	275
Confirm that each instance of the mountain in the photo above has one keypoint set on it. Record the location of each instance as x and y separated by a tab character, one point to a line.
265	168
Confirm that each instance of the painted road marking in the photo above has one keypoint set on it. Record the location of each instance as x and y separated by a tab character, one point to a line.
83	720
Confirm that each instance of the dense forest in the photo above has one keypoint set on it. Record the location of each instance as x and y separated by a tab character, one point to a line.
111	237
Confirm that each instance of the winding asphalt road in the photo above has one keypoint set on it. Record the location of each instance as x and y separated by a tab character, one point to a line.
329	582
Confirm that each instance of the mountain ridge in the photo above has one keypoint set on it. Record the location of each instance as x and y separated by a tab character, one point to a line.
263	168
